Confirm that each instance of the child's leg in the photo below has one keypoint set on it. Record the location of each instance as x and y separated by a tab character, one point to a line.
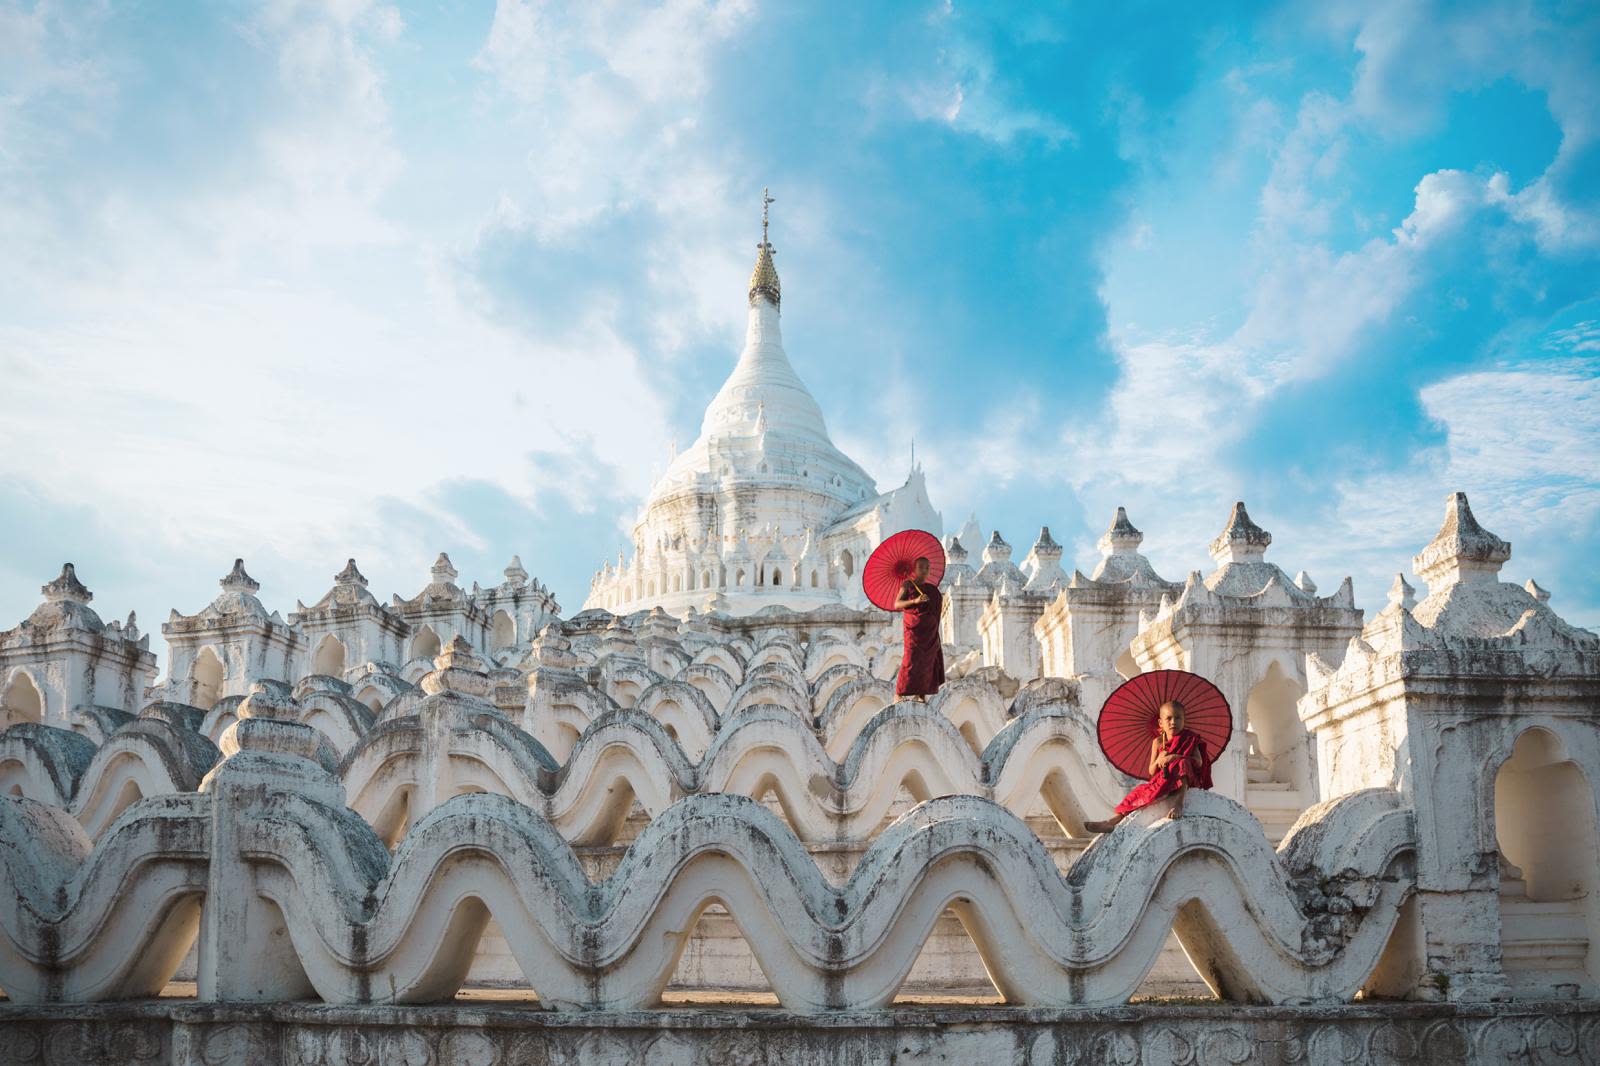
1177	801
1104	826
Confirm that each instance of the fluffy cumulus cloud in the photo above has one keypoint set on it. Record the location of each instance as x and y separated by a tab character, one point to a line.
307	279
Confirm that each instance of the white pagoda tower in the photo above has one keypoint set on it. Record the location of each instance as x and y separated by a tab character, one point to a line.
761	510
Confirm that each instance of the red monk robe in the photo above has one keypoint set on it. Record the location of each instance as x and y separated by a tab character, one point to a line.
1192	766
922	663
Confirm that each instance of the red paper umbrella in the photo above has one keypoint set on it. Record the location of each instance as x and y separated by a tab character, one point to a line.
895	559
1128	720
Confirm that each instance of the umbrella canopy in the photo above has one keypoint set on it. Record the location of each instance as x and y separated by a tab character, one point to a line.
895	559
1128	721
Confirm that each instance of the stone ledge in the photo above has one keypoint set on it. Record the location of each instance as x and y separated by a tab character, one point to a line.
207	1034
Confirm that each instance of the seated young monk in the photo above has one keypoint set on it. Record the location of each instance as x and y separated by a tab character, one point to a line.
922	662
1178	759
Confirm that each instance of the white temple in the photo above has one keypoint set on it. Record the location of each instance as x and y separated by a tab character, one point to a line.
761	510
703	786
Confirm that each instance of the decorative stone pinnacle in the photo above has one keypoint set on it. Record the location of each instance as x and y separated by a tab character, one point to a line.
514	571
551	648
1120	536
1242	540
1308	586
269	699
457	654
997	551
66	587
1538	593
457	668
350	575
443	572
954	551
1462	550
239	581
1046	544
1402	593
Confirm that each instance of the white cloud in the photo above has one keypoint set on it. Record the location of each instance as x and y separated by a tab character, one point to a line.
259	361
1520	440
1415	56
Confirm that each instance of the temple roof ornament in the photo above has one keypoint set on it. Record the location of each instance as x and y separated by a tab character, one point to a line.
457	669
1120	562
1120	536
350	575
349	589
66	605
764	279
1242	541
236	602
956	569
237	580
1402	594
514	572
66	588
443	571
998	571
1462	550
1043	564
441	589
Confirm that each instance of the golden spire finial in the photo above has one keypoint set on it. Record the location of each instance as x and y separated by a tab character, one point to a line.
764	279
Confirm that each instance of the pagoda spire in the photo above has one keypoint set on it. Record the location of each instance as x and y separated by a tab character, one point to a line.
764	279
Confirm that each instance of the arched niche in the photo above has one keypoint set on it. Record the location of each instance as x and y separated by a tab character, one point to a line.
329	657
505	630
425	644
207	674
21	702
1280	736
1544	820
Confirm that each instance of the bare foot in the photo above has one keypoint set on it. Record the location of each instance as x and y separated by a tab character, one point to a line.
1175	813
1102	827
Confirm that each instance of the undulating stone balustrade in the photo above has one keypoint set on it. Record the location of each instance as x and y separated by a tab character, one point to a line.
290	892
452	742
623	758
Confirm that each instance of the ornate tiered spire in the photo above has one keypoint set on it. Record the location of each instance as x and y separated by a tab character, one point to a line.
1242	541
350	576
237	580
515	574
1120	536
764	279
443	571
66	588
1462	550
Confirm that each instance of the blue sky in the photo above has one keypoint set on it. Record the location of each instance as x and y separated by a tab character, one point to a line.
298	281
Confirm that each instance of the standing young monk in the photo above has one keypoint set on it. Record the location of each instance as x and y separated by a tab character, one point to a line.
1178	759
922	663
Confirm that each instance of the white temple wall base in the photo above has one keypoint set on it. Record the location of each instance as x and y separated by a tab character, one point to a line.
473	1032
